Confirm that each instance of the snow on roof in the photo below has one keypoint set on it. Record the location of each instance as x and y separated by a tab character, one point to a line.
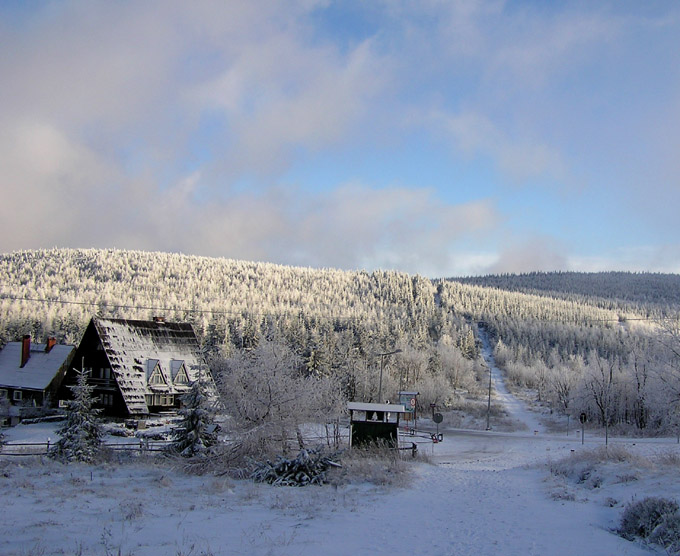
387	407
38	371
131	344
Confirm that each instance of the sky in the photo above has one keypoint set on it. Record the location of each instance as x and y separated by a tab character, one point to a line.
444	138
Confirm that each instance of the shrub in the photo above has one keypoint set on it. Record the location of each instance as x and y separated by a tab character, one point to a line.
308	468
640	519
377	464
667	533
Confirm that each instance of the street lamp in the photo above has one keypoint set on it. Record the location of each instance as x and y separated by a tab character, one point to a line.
382	365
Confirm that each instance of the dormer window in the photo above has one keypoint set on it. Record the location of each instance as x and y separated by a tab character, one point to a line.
154	373
179	372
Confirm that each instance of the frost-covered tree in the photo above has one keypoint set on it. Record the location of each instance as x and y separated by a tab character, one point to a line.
601	382
562	381
197	431
336	320
81	435
270	396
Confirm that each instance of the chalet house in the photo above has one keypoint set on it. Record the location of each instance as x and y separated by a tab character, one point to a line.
138	367
30	374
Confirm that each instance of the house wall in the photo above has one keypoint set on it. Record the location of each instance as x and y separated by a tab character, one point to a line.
27	396
91	356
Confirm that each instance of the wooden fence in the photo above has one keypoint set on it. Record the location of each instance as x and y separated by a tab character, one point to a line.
42	448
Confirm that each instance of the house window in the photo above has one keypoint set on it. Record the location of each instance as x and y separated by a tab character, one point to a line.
106	373
181	377
157	376
3	394
17	396
107	399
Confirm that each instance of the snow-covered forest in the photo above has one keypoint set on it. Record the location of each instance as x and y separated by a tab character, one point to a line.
604	344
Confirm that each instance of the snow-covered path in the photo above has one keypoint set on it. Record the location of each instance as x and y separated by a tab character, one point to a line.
516	408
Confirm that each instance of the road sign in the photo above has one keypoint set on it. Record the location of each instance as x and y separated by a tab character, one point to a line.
438	418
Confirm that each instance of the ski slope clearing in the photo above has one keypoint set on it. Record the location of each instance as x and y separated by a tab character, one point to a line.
481	493
517	410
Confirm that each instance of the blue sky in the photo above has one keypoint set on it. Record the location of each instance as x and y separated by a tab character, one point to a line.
443	138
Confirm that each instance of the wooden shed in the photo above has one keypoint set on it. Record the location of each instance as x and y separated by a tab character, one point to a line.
374	422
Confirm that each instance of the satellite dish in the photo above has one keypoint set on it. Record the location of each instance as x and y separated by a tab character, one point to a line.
437	418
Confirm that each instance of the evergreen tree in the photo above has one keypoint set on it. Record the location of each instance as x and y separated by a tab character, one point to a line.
81	436
197	431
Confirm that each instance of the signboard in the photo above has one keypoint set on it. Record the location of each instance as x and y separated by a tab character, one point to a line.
409	400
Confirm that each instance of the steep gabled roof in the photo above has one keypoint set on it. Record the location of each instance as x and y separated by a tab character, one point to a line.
131	344
39	370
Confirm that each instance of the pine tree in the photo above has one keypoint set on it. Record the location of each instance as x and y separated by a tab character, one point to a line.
197	430
81	436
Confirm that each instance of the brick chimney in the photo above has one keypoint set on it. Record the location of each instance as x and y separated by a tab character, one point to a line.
25	349
51	342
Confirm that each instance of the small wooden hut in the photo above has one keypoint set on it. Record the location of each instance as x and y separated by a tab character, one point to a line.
374	422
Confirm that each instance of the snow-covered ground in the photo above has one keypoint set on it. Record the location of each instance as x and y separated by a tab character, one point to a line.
481	492
515	407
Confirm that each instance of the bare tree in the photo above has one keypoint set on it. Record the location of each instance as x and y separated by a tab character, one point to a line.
600	382
562	381
270	397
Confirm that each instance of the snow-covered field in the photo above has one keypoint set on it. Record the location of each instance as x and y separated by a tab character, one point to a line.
481	492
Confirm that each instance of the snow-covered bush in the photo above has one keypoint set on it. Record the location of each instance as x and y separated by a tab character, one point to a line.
642	518
270	397
308	468
197	431
594	468
81	435
667	533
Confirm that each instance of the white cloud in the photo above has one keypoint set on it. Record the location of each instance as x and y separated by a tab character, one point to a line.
137	125
535	253
519	158
279	95
649	258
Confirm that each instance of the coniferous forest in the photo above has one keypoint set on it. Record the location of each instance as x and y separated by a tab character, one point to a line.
606	344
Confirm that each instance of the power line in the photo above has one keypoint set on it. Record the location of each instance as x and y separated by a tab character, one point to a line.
173	309
291	313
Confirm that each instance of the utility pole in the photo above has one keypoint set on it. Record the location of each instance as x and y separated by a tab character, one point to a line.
488	405
382	366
